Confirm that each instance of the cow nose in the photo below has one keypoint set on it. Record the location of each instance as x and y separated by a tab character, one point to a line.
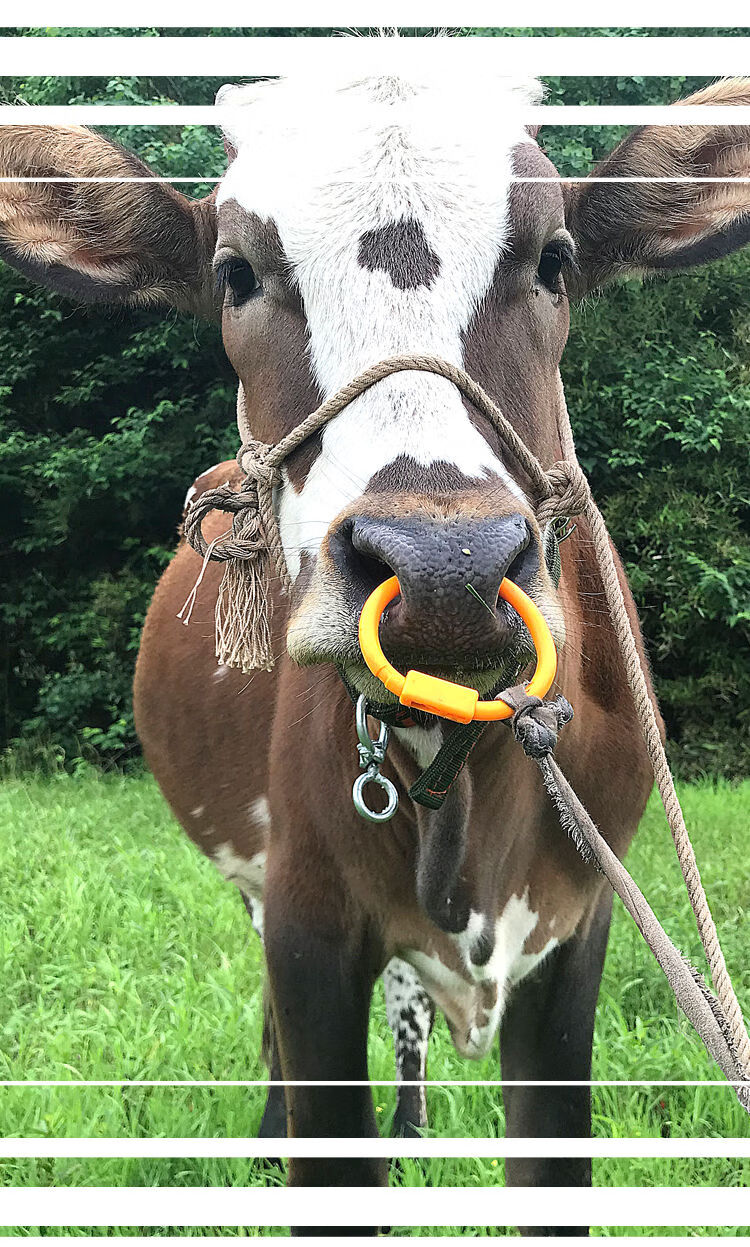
449	573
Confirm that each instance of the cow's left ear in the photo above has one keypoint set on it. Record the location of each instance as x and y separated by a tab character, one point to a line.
131	242
647	227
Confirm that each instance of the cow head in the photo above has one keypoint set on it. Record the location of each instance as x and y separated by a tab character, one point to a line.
369	219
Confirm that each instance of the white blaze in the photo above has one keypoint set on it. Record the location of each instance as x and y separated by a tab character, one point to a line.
328	164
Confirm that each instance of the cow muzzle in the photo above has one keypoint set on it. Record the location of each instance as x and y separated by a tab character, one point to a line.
448	615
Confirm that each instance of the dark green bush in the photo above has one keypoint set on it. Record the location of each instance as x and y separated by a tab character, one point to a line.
105	420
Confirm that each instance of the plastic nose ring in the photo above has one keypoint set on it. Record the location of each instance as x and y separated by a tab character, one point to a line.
443	697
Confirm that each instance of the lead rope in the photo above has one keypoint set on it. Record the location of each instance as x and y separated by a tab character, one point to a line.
660	765
536	725
253	552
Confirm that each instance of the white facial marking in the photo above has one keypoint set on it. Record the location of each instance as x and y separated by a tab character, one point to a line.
247	874
327	164
220	673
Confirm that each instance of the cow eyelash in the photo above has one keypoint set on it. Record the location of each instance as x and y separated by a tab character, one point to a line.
555	258
237	277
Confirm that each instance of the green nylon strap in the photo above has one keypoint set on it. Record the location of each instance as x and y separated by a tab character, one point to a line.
432	786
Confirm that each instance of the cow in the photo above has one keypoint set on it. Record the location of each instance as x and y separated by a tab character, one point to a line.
359	219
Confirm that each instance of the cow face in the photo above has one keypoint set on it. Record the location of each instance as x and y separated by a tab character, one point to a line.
360	221
385	229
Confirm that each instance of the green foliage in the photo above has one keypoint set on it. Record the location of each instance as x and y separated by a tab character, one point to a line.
658	385
106	419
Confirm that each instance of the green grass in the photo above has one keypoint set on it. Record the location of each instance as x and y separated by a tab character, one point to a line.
124	955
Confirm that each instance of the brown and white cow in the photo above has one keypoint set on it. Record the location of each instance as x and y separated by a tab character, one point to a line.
357	221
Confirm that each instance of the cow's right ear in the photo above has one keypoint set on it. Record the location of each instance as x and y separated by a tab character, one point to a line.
631	223
132	243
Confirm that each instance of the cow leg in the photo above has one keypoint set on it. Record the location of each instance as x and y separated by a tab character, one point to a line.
547	1033
273	1121
410	1014
322	967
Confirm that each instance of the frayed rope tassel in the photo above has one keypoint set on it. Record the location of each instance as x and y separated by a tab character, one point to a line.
244	606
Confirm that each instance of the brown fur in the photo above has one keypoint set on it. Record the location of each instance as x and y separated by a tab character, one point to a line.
187	725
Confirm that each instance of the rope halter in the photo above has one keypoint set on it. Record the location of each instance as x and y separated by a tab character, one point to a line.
253	549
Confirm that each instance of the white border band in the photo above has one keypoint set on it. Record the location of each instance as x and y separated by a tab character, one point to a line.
212	115
344	14
240	58
475	1149
362	1206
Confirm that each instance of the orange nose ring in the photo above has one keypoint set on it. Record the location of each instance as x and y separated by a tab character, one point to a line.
443	697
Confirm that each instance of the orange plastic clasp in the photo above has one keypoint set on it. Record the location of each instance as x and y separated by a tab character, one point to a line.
443	697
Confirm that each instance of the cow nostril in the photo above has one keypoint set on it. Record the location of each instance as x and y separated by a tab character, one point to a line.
370	570
361	569
524	566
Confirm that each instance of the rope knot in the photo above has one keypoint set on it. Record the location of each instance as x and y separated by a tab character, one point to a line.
569	492
250	553
536	724
223	498
253	459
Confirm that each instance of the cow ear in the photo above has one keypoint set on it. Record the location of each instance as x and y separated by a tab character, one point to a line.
646	227
132	243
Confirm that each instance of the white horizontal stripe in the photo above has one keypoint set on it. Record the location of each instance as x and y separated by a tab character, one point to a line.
437	1205
215	115
427	13
241	58
656	1149
371	1082
211	181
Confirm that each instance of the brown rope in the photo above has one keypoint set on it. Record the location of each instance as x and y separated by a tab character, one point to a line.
703	1010
665	783
561	491
254	546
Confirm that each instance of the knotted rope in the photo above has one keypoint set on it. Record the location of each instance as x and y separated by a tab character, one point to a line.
253	551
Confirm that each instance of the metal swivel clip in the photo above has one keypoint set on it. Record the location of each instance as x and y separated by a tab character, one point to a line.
371	758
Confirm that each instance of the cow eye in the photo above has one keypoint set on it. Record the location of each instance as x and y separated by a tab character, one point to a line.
238	277
550	267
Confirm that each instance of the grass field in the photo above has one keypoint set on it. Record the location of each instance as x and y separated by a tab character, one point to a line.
123	955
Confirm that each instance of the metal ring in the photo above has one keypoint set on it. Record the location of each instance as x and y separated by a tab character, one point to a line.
360	805
362	729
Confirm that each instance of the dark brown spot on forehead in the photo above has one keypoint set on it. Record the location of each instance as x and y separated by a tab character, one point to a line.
401	250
